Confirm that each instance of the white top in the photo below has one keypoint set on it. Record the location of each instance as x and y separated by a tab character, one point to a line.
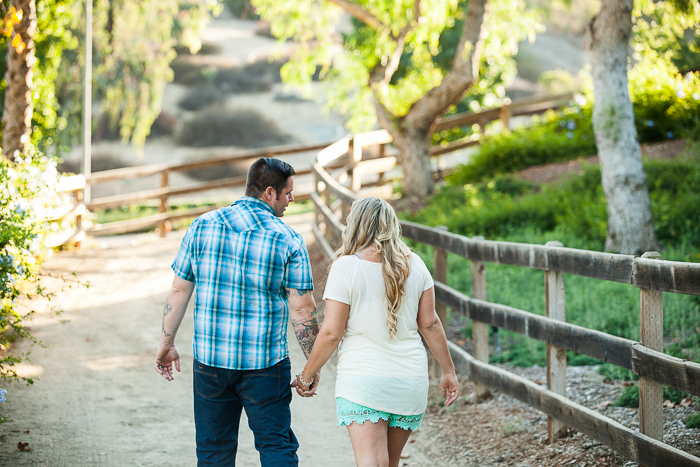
384	374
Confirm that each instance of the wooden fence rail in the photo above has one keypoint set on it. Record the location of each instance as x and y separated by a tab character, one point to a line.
347	154
651	275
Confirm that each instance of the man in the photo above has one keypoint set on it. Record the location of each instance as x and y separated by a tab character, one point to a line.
251	273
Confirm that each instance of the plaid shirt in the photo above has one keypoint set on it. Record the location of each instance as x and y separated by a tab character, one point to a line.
241	259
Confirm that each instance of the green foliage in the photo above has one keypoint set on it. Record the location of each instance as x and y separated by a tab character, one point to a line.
426	58
616	373
52	39
220	126
241	9
199	97
629	398
28	188
573	212
693	421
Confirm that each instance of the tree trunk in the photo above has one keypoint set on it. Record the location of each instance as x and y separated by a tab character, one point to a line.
630	223
17	116
414	147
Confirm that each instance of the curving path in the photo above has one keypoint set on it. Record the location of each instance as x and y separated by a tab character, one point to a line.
98	400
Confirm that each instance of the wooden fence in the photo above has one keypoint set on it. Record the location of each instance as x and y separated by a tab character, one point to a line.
71	213
335	192
381	165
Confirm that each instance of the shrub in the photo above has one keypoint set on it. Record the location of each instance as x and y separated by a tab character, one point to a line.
220	126
257	76
200	97
629	398
666	106
28	189
693	421
164	125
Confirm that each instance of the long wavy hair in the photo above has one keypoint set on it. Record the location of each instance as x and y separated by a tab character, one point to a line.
373	222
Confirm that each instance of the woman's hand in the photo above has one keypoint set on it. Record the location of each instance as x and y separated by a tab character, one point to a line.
306	391
450	387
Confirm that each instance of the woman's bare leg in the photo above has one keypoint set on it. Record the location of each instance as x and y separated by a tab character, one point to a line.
396	440
369	442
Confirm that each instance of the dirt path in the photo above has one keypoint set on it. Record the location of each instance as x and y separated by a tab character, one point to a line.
98	400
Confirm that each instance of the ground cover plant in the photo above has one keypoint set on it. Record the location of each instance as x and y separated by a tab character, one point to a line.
573	212
666	106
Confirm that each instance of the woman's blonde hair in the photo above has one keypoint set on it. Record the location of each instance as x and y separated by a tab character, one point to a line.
373	222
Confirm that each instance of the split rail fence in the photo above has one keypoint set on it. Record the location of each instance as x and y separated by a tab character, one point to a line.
336	189
166	191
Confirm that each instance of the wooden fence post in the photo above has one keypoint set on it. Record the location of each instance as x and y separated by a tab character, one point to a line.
651	330
480	331
504	114
440	275
164	225
556	356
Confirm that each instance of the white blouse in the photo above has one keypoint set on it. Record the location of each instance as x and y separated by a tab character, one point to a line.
384	374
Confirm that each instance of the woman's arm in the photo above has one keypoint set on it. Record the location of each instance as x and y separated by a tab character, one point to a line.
431	328
332	330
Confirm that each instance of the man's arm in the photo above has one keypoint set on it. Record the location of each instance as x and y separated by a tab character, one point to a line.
302	312
173	312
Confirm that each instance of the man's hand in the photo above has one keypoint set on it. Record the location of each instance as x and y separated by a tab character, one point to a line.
166	355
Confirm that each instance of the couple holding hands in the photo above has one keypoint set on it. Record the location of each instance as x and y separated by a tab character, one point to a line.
250	273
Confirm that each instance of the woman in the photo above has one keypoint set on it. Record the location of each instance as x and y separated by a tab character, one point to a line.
379	296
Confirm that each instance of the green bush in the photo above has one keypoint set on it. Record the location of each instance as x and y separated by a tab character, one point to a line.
630	397
666	106
200	97
220	126
572	212
28	188
693	421
257	76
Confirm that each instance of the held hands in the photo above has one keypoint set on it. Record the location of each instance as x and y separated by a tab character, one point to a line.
450	387
306	390
166	355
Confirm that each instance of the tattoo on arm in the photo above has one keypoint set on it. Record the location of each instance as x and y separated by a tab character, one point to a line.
306	331
166	333
301	292
168	309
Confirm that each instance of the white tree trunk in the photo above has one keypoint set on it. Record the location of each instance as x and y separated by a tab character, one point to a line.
630	223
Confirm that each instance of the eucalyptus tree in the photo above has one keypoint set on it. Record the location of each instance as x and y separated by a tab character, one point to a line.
607	44
20	24
390	69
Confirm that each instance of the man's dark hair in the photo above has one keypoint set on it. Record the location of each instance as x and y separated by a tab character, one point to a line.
265	172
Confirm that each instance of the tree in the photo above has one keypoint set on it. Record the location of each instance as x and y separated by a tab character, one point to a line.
630	222
389	71
657	25
17	111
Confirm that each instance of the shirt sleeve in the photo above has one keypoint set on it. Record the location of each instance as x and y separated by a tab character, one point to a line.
182	265
337	284
425	273
297	274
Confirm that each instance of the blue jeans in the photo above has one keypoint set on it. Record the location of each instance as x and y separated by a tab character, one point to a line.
219	397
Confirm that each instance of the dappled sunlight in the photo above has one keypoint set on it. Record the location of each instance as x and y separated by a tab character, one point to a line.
120	362
28	370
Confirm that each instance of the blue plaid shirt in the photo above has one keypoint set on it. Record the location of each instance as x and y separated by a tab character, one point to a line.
241	259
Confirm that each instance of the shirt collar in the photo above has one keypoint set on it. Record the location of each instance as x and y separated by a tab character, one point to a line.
255	202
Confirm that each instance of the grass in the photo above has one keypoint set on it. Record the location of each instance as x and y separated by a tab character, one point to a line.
505	208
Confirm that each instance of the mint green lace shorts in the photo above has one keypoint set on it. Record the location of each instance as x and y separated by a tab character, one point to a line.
349	412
